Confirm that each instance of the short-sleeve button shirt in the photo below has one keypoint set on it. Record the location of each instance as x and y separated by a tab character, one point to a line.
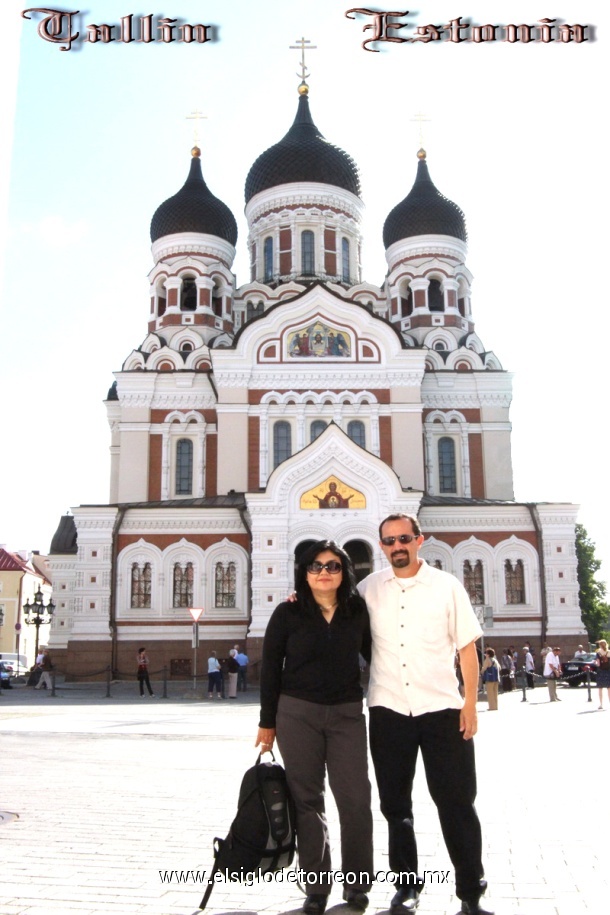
416	625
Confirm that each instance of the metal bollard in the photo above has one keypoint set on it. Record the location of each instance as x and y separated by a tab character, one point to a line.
108	673
164	683
589	685
52	683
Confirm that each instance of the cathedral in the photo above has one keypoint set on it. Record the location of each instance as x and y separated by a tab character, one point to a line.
306	403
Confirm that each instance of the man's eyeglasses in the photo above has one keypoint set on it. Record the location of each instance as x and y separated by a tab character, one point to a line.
316	567
402	538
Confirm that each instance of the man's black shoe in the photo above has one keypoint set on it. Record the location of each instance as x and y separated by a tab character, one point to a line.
474	908
315	904
406	899
356	899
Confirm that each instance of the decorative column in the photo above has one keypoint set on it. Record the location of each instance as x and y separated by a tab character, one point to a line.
429	444
465	461
263	470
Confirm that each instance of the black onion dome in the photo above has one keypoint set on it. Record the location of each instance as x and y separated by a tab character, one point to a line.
424	211
303	155
194	209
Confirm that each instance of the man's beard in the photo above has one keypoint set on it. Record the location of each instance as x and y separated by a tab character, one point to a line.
400	560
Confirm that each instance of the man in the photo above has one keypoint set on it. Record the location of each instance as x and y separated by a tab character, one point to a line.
552	672
46	666
419	616
242	660
581	653
529	666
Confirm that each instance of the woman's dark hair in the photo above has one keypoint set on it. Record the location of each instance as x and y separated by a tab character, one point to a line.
490	652
347	595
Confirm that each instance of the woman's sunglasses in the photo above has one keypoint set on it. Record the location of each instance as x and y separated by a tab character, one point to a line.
316	567
402	538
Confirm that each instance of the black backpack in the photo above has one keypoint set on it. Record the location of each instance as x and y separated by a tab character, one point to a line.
262	836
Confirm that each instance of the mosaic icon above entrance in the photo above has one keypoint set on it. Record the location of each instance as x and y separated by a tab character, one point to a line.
332	493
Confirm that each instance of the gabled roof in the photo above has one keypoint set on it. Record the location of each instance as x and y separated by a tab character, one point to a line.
12	562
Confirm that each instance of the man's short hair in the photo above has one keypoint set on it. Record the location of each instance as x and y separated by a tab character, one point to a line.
400	516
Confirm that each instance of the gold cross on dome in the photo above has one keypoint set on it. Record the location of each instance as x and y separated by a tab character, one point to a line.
303	45
420	119
196	116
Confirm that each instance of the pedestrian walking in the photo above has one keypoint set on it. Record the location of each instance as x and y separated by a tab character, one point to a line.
143	677
46	666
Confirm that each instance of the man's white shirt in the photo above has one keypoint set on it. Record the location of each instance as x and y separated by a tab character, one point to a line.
416	624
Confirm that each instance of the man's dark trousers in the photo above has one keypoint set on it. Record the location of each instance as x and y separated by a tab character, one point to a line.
450	772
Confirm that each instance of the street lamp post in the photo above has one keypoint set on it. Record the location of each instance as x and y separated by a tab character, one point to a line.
38	614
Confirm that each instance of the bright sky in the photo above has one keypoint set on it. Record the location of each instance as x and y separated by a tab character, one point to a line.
101	139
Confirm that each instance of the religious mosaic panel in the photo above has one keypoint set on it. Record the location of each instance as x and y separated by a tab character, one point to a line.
320	340
332	493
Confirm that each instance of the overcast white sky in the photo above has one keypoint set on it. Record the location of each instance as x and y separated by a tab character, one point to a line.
516	138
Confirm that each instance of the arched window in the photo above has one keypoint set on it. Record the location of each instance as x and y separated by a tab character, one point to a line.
473	581
282	442
355	431
308	261
515	582
345	260
225	579
188	297
184	467
268	259
141	578
183	585
436	299
446	465
317	428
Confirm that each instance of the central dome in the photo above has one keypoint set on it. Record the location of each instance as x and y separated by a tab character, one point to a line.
303	155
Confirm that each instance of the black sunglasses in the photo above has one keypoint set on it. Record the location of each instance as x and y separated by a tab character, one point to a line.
402	538
316	567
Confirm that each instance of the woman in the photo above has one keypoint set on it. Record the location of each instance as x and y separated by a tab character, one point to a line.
490	672
214	676
143	677
311	695
603	670
233	668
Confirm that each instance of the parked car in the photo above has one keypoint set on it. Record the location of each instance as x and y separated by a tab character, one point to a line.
575	670
6	672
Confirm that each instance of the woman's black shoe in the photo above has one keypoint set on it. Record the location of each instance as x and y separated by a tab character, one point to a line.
315	904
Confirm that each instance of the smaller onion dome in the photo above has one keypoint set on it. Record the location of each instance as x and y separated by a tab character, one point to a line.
303	155
65	538
194	209
424	211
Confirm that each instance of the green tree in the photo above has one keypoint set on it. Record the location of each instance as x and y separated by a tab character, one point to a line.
593	607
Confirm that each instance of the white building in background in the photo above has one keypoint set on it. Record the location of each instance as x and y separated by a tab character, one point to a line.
305	404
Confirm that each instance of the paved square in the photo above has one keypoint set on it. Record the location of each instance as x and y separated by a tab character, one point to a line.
115	794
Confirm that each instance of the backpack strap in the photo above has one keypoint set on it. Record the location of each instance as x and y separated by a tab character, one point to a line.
218	843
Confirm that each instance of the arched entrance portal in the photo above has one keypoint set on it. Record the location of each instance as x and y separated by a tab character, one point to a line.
360	554
357	550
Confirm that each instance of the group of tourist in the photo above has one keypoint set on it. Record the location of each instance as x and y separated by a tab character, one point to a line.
494	673
236	669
